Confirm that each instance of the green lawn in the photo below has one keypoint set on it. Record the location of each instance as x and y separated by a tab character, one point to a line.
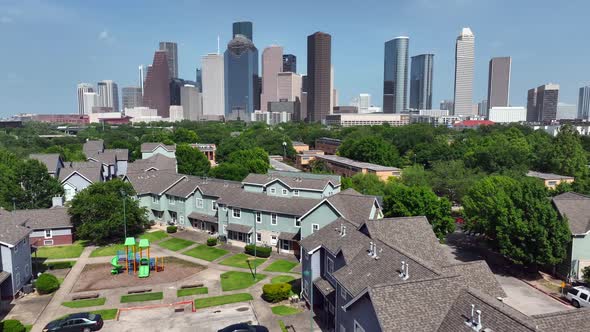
241	260
175	244
28	328
282	326
142	297
283	310
108	250
106	314
154	236
192	291
85	303
279	279
220	300
234	280
281	265
205	252
59	252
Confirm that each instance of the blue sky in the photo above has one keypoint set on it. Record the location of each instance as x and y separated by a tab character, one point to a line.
50	46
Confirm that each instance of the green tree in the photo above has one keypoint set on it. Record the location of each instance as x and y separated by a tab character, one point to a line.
415	176
183	135
567	156
191	161
368	184
403	201
254	160
370	149
452	179
38	186
229	171
318	166
586	274
97	212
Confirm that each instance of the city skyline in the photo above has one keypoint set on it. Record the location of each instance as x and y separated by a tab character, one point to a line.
111	50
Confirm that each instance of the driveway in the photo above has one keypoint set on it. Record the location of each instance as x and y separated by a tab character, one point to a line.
166	319
527	299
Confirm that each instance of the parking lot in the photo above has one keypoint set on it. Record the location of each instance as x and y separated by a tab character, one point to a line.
166	319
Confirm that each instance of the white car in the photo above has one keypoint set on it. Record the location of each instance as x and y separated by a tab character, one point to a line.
579	296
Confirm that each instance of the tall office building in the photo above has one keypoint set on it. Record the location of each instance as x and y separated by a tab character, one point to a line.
542	103
446	105
531	106
499	82
319	66
141	78
584	103
464	67
302	116
171	50
199	80
156	88
289	63
242	90
190	99
272	65
242	28
175	86
89	100
421	82
482	108
108	94
289	86
364	103
213	84
82	88
131	97
395	75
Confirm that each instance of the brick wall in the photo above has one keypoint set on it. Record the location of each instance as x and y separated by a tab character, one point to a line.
57	240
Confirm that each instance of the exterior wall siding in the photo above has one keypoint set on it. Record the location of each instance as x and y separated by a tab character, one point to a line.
158	150
16	261
39	241
321	216
362	311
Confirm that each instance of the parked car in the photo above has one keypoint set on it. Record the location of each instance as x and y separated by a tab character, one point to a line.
579	296
82	322
244	327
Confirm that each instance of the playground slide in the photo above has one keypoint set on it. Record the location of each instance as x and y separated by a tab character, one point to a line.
144	271
116	267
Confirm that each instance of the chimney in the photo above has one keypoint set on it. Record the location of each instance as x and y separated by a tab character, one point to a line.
343	231
57	201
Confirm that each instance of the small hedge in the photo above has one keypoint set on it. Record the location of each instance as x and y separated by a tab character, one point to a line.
46	283
212	241
171	229
263	252
276	292
12	325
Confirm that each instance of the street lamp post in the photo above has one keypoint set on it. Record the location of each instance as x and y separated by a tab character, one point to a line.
255	238
284	150
124	214
308	273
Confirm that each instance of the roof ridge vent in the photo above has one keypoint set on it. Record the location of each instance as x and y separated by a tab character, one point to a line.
473	322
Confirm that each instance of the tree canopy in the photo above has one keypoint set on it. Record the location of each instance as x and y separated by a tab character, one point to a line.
191	161
370	149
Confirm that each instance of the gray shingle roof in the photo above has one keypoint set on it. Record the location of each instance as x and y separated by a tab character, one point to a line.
153	182
324	286
263	202
57	217
564	321
477	275
239	228
356	164
107	157
576	208
208	186
292	180
329	238
90	170
548	176
354	206
121	154
158	162
92	147
289	236
149	147
50	160
11	231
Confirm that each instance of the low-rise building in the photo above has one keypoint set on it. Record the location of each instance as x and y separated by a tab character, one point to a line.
49	226
507	114
300	147
52	161
15	255
369	119
471	124
77	176
150	149
327	144
551	180
157	162
208	150
303	160
348	167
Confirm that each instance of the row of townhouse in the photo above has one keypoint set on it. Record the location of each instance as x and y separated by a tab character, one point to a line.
275	209
392	274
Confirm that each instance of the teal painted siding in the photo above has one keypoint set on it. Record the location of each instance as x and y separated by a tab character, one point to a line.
253	188
159	150
276	189
330	190
284	223
322	215
581	248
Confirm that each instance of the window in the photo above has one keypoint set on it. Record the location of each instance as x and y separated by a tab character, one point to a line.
273	191
47	242
551	183
286	245
273	218
573	291
343	293
258	217
315	228
48	234
330	266
584	296
155	199
285	192
358	327
214	205
296	192
199	203
237	213
297	222
258	237
273	240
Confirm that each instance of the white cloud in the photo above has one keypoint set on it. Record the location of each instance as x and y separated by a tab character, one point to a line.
6	19
103	35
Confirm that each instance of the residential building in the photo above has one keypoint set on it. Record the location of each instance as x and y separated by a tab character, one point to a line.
156	162
272	65
464	67
319	68
114	161
369	119
208	150
289	86
289	63
82	89
156	88
499	82
90	101
77	176
150	149
421	81
132	97
566	111
395	75
507	114
15	255
327	144
446	105
302	160
191	102
243	28
49	226
542	103
272	118
52	161
584	103
241	77
348	167
550	180
213	85
171	50
300	147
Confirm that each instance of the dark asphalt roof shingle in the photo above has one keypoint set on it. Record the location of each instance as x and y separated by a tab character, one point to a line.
477	275
576	209
564	321
153	182
92	147
330	238
56	217
156	162
292	180
50	160
90	170
11	229
202	217
149	147
263	202
239	228
353	206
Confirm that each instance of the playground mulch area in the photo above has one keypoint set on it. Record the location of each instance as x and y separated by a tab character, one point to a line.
98	276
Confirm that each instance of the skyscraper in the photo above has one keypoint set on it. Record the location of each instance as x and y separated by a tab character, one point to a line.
90	100
584	103
131	97
289	86
141	78
483	108
213	84
199	80
499	82
531	105
156	88
171	50
395	75
364	102
289	63
464	66
446	105
542	103
190	98
421	82
319	64
108	95
82	89
272	65
241	77
242	28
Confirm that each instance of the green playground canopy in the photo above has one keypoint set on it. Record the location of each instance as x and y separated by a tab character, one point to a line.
144	243
130	241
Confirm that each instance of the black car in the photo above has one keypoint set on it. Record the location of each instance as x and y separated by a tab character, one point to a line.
82	322
244	327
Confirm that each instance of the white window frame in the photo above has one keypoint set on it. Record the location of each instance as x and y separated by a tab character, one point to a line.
296	222
274	219
273	190
48	242
358	327
285	192
258	235
258	217
214	206
50	234
274	239
239	213
296	192
199	203
314	229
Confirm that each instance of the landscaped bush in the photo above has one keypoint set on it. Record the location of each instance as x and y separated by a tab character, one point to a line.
263	252
12	325
47	283
171	229
276	292
212	241
586	274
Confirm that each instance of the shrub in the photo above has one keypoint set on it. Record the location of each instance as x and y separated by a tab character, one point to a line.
212	241
47	283
276	292
263	252
12	325
171	229
586	274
